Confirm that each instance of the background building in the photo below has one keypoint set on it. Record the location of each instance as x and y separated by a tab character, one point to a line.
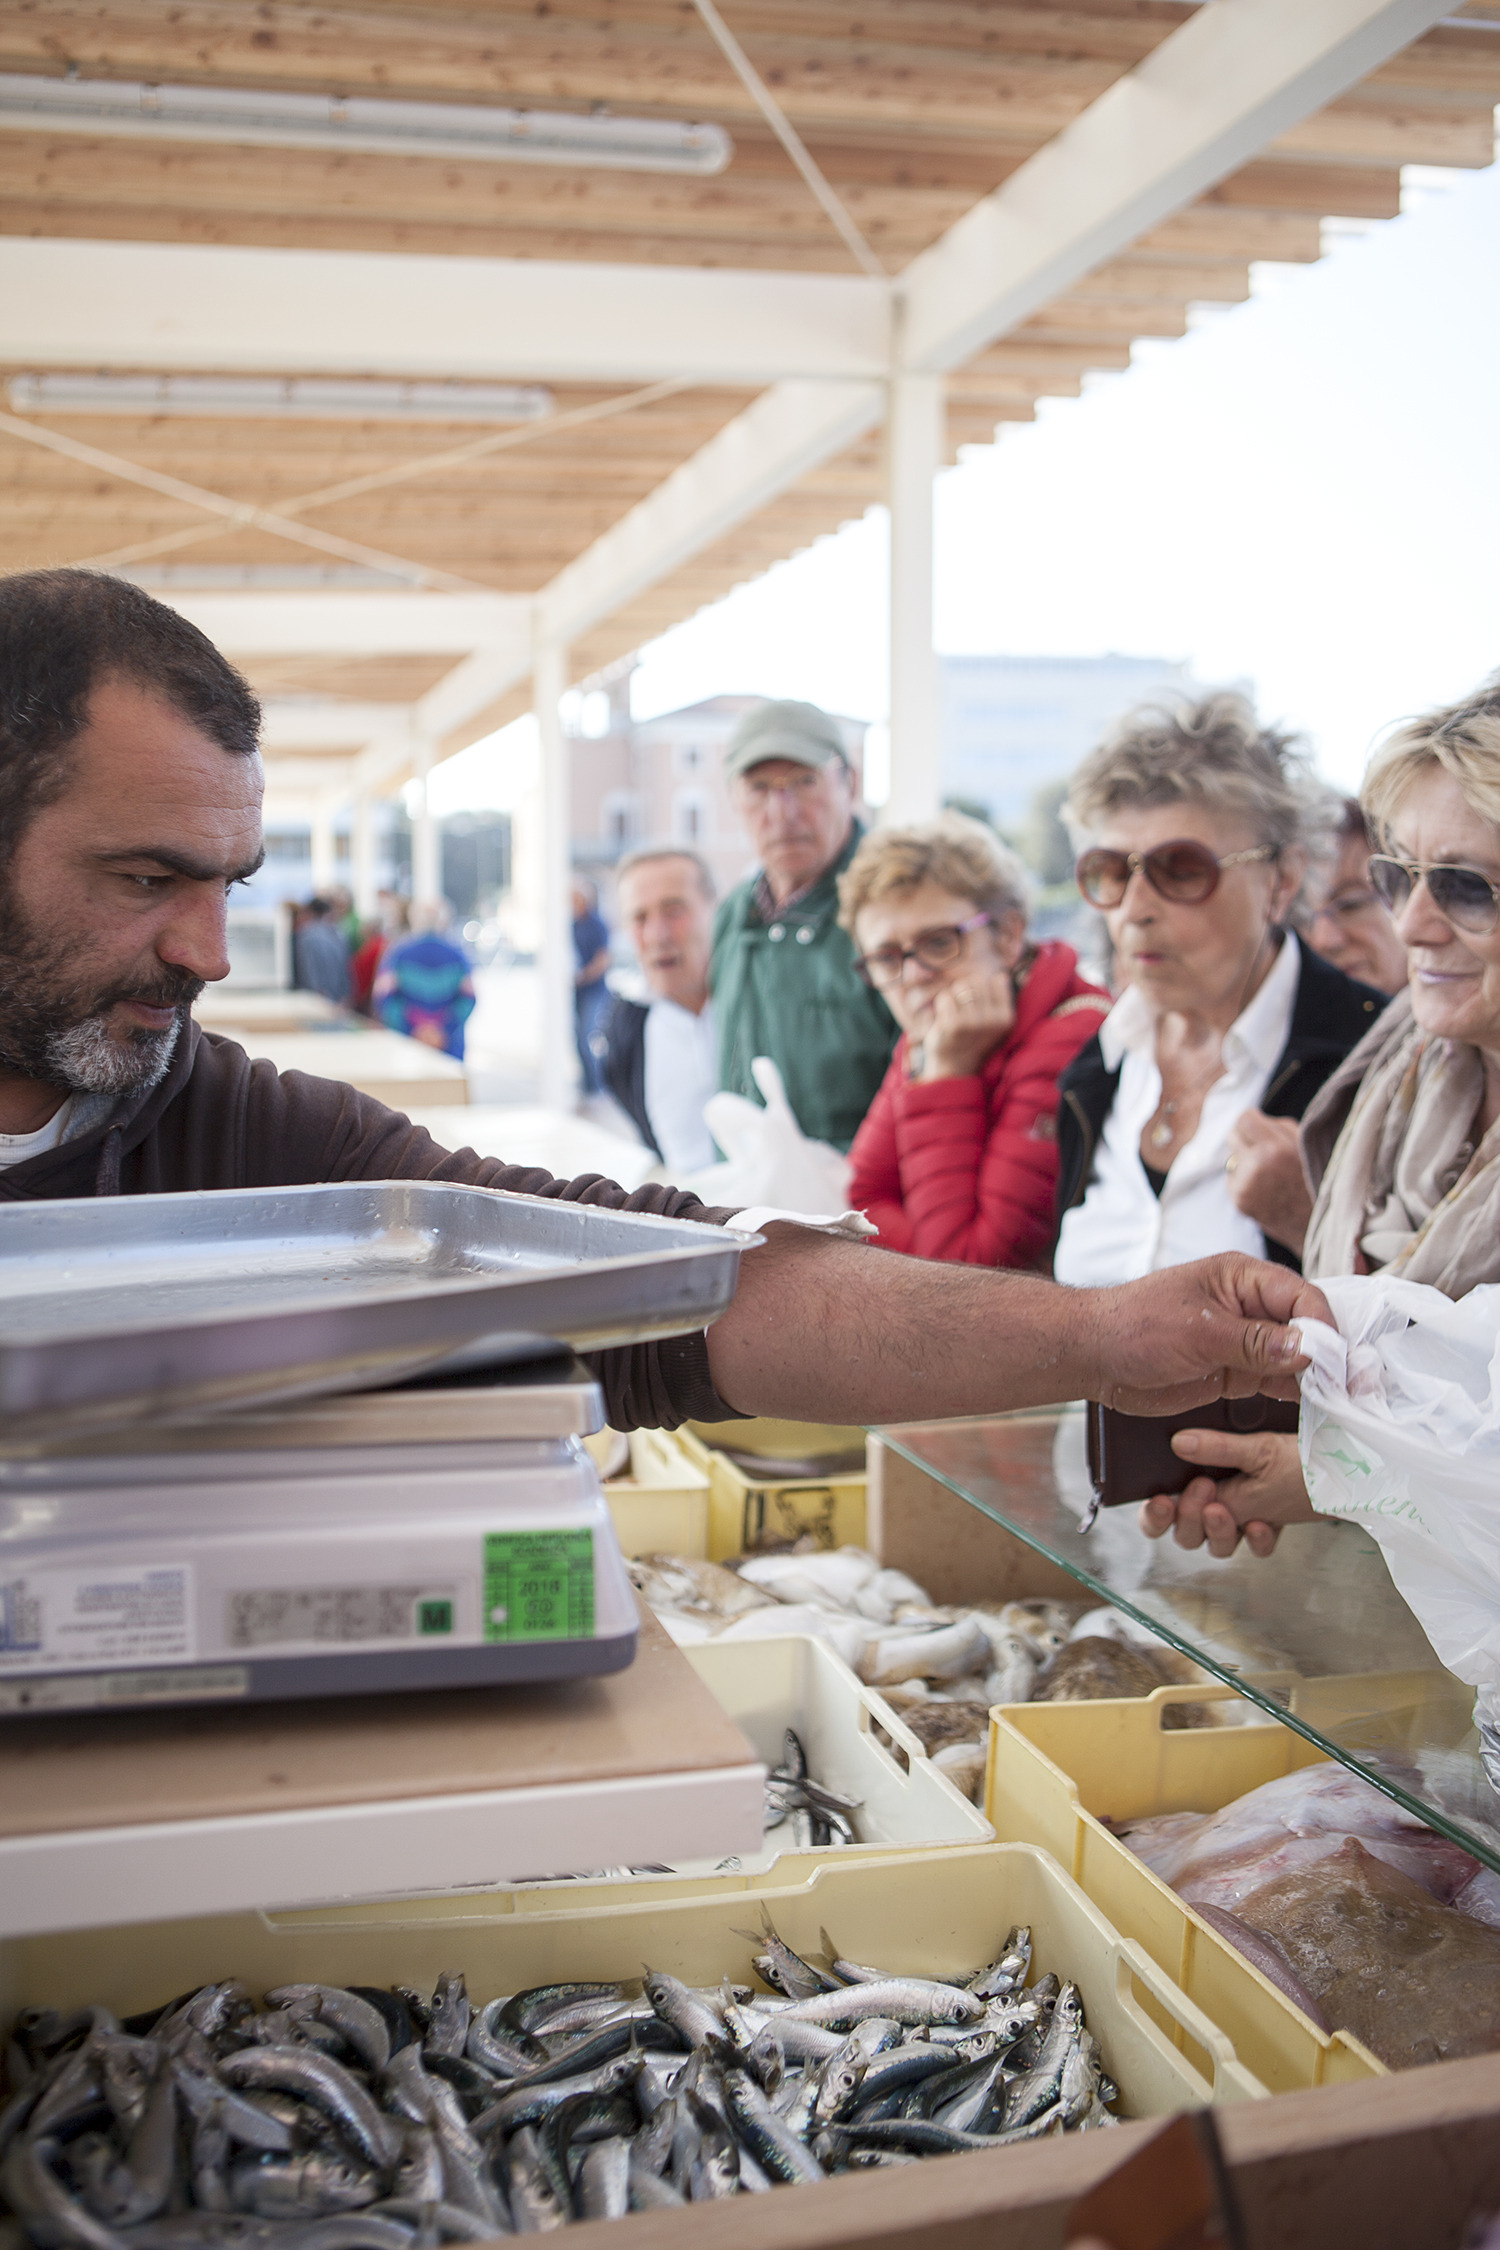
1012	724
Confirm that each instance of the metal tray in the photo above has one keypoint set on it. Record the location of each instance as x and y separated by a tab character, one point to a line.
117	1310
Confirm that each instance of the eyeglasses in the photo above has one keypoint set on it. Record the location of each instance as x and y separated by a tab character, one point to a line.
1183	871
755	790
934	949
1345	908
1464	897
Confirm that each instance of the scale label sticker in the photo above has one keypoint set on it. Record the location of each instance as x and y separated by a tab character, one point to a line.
96	1691
271	1616
87	1620
538	1585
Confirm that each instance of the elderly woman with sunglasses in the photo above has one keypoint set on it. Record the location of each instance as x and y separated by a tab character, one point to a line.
1403	1145
1196	815
957	1158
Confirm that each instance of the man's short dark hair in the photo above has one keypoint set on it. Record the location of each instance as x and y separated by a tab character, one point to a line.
62	632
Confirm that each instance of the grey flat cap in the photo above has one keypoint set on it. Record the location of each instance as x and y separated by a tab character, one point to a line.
784	729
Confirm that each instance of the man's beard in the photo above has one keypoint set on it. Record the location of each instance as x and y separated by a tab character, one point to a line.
56	1030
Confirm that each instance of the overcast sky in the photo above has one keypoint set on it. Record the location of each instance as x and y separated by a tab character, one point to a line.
1305	492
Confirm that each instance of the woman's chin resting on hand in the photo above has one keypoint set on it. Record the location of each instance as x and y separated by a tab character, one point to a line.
1265	1492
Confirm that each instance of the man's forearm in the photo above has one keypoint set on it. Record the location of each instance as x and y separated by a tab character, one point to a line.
823	1330
826	1330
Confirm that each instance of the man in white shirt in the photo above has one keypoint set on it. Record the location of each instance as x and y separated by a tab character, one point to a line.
660	1061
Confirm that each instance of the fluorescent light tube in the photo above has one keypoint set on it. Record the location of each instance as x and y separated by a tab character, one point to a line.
302	397
29	103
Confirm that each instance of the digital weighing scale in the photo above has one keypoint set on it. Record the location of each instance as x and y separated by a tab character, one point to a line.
442	1536
451	1532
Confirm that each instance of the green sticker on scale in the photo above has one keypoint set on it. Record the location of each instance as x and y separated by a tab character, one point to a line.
538	1585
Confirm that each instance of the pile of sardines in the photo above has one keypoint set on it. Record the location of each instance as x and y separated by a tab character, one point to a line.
353	2118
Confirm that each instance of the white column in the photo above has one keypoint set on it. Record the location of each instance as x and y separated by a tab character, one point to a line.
426	851
559	1065
365	880
914	454
325	872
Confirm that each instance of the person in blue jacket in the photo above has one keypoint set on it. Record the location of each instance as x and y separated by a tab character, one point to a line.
425	988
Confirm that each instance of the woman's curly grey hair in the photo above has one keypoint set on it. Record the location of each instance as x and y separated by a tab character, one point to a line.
1214	752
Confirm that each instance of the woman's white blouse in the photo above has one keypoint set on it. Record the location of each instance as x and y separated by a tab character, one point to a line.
1121	1230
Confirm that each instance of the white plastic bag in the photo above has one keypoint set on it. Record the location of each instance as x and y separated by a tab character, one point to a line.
1400	1433
769	1160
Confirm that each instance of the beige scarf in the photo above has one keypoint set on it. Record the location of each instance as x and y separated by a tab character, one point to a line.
1405	1190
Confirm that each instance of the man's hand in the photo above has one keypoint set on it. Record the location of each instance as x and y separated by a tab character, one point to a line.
1266	1179
969	1020
1267	1493
1215	1329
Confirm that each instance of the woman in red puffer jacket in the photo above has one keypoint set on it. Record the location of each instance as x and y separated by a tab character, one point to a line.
957	1158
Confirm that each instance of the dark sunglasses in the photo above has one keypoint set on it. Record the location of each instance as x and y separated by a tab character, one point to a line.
1184	872
1464	897
934	949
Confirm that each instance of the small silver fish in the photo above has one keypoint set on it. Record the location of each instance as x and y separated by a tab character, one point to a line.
687	2014
908	2000
359	2025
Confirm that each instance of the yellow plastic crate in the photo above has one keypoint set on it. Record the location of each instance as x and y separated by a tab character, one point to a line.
913	1912
1058	1771
662	1506
746	1512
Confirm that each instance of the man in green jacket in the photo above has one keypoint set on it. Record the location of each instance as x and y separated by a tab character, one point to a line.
783	971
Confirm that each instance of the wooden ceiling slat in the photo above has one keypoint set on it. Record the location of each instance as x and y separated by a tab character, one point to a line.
1345	191
902	68
1217	229
362	679
534	58
1140	281
287	182
104	222
1398	132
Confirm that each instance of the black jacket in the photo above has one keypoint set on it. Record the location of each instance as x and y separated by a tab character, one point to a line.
1330	1015
619	1047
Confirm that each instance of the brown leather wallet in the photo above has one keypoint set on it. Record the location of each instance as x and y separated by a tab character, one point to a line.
1130	1455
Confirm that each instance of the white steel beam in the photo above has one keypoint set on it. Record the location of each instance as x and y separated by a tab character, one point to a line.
915	435
176	307
1210	97
362	856
399	746
559	1042
330	623
288	723
308	777
470	688
789	430
426	843
324	842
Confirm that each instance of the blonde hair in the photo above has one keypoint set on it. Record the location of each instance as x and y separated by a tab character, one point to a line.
1463	739
960	854
1213	753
